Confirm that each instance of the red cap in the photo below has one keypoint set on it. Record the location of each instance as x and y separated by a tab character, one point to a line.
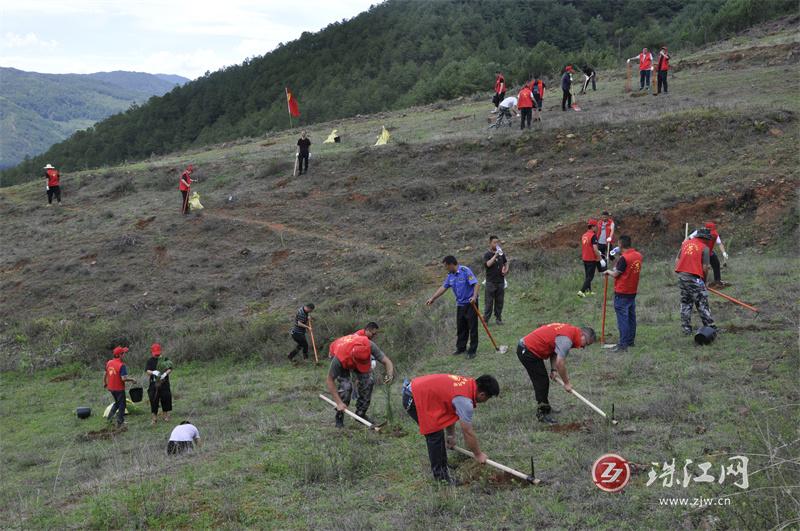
711	225
155	349
119	351
362	359
592	222
569	68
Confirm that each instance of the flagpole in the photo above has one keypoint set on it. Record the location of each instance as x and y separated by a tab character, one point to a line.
288	109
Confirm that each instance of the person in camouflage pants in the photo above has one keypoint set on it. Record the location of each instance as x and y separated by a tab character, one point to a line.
694	294
364	385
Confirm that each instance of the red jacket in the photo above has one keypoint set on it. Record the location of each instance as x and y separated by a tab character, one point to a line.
525	98
690	259
185	176
587	249
542	341
433	398
628	282
500	84
53	177
114	380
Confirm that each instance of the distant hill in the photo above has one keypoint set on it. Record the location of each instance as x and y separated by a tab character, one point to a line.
39	110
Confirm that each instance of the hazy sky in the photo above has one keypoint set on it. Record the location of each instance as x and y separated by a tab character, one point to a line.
185	37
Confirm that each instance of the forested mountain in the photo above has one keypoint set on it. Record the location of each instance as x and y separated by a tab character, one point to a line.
399	53
38	110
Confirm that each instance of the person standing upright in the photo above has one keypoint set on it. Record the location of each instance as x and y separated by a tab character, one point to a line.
185	186
662	70
590	254
495	263
692	265
499	90
465	289
626	284
566	88
645	60
53	185
537	90
303	152
525	106
605	234
159	392
301	324
114	379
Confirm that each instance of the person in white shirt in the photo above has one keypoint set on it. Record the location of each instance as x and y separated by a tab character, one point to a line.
183	438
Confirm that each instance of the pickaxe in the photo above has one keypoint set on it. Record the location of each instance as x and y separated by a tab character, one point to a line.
585	401
368	424
529	478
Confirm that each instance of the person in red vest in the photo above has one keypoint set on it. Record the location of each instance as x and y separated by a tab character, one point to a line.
525	106
645	66
662	70
114	380
185	187
692	265
626	285
354	354
537	90
590	254
713	258
53	185
550	342
605	234
499	90
436	402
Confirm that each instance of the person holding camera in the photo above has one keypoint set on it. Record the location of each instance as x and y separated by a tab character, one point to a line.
496	266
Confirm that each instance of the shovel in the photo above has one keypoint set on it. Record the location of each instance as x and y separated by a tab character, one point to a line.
368	424
516	473
313	342
502	349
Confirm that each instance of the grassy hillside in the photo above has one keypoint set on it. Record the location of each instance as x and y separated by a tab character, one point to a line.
362	236
39	110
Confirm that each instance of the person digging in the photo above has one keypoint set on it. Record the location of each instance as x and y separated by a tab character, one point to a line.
159	368
436	402
114	379
692	265
550	342
353	354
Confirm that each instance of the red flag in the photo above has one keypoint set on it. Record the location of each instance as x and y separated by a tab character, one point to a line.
294	110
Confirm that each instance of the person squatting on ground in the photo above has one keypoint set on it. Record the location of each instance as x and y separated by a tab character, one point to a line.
605	235
353	354
114	379
465	288
713	258
159	368
301	324
590	254
537	90
692	265
496	266
566	88
185	186
525	106
303	153
550	342
499	90
645	60
662	70
183	438
436	402
53	185
626	284
508	106
589	76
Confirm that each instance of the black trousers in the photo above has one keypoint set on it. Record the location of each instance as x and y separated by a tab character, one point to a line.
644	79
526	114
437	450
303	157
302	344
53	191
466	328
566	100
495	295
118	408
715	266
159	395
179	447
662	81
537	372
185	201
603	248
593	80
498	97
588	270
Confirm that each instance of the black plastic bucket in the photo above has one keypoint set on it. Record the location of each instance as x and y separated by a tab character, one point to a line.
136	394
83	412
705	335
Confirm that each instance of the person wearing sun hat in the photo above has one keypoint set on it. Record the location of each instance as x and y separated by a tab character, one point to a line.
114	380
159	368
53	185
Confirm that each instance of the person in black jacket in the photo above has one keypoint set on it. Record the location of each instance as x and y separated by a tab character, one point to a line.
566	87
301	324
589	76
303	152
159	391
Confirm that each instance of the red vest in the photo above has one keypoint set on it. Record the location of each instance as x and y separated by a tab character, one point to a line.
433	398
691	258
525	98
645	61
185	176
663	63
610	228
499	84
587	249
712	242
52	177
540	84
114	380
628	282
346	349
542	341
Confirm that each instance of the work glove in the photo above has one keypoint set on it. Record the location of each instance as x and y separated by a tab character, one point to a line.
725	255
629	61
156	373
608	240
602	263
163	376
614	251
374	363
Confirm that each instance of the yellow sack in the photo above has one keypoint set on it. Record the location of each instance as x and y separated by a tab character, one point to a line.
129	408
383	138
194	201
331	137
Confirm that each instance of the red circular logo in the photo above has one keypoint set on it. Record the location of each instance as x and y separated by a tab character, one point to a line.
611	472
